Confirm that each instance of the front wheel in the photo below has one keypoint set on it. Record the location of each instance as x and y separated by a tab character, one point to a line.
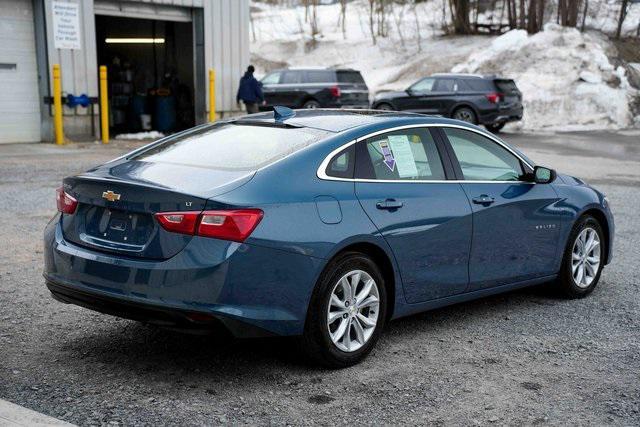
347	312
583	259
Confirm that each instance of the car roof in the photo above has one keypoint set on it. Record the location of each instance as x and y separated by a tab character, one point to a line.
314	68
340	120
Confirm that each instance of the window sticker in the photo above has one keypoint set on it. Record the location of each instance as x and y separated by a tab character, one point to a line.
389	160
403	156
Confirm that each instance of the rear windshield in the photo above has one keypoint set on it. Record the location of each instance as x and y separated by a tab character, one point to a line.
349	77
232	146
506	86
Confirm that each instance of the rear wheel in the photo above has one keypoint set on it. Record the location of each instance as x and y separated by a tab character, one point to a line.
347	312
583	259
465	114
311	104
495	128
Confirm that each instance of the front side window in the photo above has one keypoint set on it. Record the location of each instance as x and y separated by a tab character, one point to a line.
408	154
446	85
290	77
271	79
482	159
424	85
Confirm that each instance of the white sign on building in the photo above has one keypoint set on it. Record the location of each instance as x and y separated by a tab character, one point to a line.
66	25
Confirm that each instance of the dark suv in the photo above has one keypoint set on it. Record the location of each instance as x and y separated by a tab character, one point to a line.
488	100
315	88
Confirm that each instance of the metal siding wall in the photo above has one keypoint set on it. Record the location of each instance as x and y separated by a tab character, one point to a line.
19	103
226	47
79	68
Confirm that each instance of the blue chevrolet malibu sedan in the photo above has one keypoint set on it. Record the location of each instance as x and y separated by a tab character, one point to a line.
319	224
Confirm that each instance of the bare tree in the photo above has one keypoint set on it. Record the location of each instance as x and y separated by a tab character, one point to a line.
372	11
623	15
343	18
460	16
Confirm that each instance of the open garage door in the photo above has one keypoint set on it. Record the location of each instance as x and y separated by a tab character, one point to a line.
19	104
153	65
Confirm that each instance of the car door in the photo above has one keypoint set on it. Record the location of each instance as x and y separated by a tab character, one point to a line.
516	223
271	89
418	97
443	96
426	220
289	91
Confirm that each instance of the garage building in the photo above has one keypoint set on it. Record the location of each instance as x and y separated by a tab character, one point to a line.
157	52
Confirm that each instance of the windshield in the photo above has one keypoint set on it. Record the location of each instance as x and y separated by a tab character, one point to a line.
232	146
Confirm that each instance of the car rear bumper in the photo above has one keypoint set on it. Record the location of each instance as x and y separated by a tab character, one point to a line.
250	290
502	116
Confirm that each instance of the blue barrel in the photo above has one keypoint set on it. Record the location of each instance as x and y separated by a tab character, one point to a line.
164	114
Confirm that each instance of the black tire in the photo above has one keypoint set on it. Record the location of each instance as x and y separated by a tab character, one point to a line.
316	341
566	282
495	128
465	114
385	107
311	104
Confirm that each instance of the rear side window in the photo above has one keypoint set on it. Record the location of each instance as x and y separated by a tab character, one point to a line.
506	86
232	146
320	76
482	159
342	164
474	85
408	154
349	77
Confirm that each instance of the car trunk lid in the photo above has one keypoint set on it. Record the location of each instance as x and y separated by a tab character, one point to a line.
117	204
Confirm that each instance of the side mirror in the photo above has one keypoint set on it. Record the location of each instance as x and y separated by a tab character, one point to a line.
542	175
409	91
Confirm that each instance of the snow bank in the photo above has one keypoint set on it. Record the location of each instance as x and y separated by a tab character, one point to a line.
141	135
565	76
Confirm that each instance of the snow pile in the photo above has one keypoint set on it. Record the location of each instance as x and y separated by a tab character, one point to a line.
154	134
566	79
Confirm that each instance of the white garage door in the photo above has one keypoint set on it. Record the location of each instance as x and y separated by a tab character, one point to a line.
19	104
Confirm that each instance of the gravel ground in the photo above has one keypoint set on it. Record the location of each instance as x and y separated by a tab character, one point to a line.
519	358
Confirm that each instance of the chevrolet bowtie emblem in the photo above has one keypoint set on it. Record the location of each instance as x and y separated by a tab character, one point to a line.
110	196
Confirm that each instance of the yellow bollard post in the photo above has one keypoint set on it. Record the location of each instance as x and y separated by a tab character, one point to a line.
57	106
212	96
104	106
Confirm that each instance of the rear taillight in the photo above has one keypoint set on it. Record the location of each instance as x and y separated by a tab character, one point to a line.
335	91
235	225
66	203
494	97
179	222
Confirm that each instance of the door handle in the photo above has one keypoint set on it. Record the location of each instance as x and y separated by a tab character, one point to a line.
389	204
483	200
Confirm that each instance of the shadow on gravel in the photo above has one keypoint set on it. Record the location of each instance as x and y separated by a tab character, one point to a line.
133	350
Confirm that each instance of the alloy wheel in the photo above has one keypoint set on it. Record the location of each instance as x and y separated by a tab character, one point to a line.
353	309
585	257
465	115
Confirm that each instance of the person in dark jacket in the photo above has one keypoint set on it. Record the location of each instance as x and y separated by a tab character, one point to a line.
250	91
